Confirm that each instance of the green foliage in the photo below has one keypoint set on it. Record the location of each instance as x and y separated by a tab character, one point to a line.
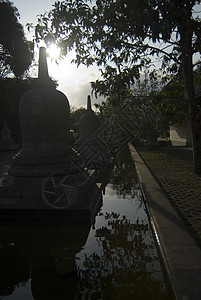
121	34
139	109
122	37
15	50
174	104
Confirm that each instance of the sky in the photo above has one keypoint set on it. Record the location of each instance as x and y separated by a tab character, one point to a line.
73	82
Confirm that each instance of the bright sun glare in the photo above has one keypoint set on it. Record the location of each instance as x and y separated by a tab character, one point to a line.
53	51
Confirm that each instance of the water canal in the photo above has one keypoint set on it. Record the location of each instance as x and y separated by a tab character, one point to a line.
115	258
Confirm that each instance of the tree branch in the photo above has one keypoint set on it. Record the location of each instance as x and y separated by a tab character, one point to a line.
147	46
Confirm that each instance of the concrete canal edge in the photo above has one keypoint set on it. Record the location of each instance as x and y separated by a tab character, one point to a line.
181	254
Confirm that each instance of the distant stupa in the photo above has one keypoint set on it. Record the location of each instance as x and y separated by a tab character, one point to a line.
88	124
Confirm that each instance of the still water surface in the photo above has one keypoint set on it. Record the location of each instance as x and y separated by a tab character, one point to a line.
115	258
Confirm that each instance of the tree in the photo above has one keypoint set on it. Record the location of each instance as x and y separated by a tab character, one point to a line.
11	91
75	115
141	109
174	104
121	36
15	53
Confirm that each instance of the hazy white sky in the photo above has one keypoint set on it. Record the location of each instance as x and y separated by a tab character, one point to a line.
73	82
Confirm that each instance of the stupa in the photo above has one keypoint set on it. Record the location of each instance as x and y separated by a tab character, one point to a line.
47	178
44	117
89	123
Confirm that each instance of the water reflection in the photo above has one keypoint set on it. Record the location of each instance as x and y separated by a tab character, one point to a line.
14	269
44	252
124	178
115	259
126	265
123	262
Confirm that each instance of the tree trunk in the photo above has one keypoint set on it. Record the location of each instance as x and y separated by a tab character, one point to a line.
195	123
196	139
195	116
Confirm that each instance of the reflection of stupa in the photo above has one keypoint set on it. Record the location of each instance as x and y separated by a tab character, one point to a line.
43	252
44	116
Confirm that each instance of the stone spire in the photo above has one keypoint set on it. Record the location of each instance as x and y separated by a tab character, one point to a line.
43	79
42	68
89	103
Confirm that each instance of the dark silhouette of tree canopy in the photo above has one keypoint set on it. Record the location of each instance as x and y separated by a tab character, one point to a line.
15	53
75	115
11	91
122	36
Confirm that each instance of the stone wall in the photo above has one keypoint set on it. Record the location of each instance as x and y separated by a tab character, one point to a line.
181	135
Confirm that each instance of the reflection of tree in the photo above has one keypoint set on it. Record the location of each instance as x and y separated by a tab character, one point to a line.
124	179
14	269
127	266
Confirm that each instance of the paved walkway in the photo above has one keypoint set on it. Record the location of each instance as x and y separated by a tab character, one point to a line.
172	167
181	253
